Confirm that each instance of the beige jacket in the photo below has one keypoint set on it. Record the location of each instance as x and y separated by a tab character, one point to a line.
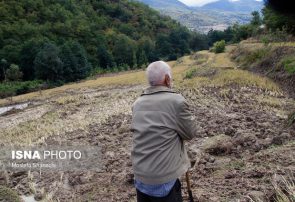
161	120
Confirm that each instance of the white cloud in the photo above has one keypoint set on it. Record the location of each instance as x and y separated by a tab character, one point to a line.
201	2
196	2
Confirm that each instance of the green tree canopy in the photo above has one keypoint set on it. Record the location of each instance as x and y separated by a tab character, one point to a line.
124	50
276	21
14	73
48	65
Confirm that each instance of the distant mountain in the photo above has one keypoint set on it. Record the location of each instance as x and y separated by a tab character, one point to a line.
205	20
217	15
164	4
234	6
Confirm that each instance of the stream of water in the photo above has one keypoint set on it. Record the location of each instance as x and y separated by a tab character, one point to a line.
11	107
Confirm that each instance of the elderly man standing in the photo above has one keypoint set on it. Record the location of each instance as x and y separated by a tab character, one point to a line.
161	120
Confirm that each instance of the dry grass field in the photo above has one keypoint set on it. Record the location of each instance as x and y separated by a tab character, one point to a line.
246	149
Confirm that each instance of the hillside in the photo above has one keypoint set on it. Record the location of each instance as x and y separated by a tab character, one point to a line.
244	117
241	6
275	60
203	20
217	15
64	41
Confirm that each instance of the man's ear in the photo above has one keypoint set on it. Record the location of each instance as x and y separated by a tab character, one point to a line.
167	81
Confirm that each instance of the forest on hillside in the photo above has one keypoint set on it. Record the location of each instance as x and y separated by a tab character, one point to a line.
48	43
63	41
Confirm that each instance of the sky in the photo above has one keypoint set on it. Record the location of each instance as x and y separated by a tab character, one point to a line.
199	2
196	2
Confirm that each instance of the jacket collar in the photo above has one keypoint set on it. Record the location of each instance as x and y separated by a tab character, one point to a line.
157	89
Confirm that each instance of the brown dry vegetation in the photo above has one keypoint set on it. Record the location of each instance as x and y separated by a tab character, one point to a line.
244	117
268	60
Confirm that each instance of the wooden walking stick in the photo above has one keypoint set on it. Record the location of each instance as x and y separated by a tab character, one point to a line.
190	194
189	191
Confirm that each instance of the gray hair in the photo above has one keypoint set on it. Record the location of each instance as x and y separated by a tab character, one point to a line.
156	72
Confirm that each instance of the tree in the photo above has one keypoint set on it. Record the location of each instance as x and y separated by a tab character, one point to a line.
241	32
14	73
83	67
256	19
103	54
11	53
146	45
199	42
229	34
69	61
127	29
134	60
163	45
3	67
276	21
215	35
28	54
142	59
124	50
48	65
105	58
179	39
136	29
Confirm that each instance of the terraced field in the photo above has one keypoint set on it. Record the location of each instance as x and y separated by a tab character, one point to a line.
247	145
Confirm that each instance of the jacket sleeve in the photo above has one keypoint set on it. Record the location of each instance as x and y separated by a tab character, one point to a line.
187	128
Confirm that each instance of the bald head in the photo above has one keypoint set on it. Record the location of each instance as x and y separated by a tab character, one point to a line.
159	73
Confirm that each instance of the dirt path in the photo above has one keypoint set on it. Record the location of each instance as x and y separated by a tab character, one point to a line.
244	119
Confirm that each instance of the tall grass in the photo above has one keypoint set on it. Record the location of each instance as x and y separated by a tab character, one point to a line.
289	64
291	119
285	189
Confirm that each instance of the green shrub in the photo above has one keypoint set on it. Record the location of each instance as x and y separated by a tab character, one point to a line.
291	119
7	194
219	46
247	58
13	73
265	39
8	89
124	67
255	56
97	70
289	64
190	73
